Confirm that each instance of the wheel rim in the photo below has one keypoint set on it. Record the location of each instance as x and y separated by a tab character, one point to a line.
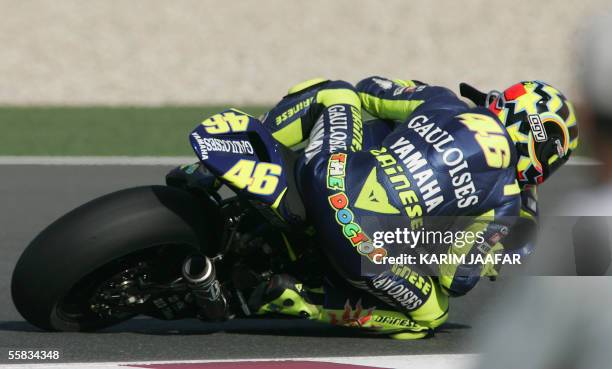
82	306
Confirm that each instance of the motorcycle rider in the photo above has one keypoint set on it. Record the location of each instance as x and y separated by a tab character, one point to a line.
428	155
441	157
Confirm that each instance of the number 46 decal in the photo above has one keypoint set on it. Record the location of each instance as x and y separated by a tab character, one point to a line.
258	178
230	121
490	137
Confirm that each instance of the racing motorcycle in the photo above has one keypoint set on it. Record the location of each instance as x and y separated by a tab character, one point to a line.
176	251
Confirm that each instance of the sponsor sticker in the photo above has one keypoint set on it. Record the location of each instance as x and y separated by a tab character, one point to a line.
537	128
345	218
201	145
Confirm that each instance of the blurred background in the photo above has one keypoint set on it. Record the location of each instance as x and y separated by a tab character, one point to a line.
202	56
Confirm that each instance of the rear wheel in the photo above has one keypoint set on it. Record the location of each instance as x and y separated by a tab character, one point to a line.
85	269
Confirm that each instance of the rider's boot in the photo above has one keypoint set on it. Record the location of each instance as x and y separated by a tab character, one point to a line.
284	295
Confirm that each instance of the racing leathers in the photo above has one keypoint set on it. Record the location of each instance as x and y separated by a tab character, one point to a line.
428	155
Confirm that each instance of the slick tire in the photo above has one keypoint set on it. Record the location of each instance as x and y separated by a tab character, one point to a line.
93	236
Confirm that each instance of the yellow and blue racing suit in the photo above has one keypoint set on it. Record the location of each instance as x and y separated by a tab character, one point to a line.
428	155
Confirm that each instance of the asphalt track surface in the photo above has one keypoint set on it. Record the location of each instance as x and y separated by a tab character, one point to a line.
33	196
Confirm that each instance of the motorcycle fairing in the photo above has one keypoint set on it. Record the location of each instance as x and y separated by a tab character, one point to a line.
237	148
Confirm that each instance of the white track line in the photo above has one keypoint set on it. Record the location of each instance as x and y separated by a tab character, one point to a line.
444	361
153	160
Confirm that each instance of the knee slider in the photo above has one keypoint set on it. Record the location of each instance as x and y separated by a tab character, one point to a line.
434	312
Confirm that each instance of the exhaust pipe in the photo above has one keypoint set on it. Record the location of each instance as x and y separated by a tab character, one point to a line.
199	272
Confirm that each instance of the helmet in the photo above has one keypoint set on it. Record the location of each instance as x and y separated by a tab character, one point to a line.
541	122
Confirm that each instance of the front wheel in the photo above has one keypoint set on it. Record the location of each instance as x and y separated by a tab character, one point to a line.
78	272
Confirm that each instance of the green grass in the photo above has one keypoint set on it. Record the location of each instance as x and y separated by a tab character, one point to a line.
135	131
130	131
